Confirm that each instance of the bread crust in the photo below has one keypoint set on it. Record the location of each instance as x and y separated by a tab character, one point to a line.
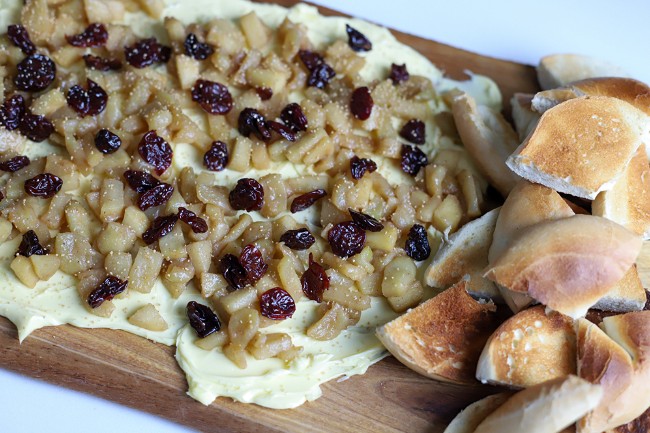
469	418
557	70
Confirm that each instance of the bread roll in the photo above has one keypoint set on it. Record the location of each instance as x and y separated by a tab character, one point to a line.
560	69
626	295
469	418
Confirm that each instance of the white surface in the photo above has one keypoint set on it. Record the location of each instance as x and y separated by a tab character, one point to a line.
515	30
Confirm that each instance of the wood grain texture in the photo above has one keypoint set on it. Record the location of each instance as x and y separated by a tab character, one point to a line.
138	373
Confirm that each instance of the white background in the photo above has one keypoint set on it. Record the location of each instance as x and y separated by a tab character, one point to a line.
515	30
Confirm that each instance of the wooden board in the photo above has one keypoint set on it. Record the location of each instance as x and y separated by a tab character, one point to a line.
135	372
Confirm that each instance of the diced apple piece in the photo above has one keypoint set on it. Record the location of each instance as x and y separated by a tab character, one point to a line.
148	317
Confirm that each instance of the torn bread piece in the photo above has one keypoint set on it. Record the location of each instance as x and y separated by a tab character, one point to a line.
529	348
559	69
466	253
628	202
548	407
625	296
443	337
488	138
582	146
523	115
567	264
640	424
469	418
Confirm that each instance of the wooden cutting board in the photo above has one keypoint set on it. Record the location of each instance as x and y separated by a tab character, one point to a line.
135	372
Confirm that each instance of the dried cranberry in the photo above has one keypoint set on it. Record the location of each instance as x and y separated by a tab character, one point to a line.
247	195
160	227
78	99
196	223
252	261
146	52
320	73
233	272
300	239
417	244
35	73
202	319
361	166
44	185
365	221
399	73
95	35
215	98
281	129
216	158
361	103
156	196
413	159
12	110
107	290
20	38
30	245
413	131
251	121
155	151
346	239
101	64
265	93
87	102
294	118
314	281
107	142
196	49
277	304
307	199
139	181
36	128
357	40
14	164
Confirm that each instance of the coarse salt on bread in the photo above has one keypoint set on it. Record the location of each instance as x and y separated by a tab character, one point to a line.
582	146
559	69
469	418
523	115
531	347
567	264
442	338
548	407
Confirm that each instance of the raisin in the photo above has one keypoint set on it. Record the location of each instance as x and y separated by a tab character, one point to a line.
399	73
107	142
413	159
87	102
196	49
247	195
30	245
252	261
365	221
146	52
78	99
417	244
307	199
320	73
107	290
95	35
215	98
300	239
361	103
294	118
101	64
159	228
12	110
196	223
233	272
139	181
14	164
357	40
361	166
251	121
155	151
44	185
413	131
346	239
202	319
156	196
19	36
277	304
314	281
284	131
216	158
36	128
35	73
265	93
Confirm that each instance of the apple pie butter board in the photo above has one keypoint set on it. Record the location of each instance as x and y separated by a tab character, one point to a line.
144	375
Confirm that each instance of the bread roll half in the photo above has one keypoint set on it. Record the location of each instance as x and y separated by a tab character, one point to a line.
560	69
